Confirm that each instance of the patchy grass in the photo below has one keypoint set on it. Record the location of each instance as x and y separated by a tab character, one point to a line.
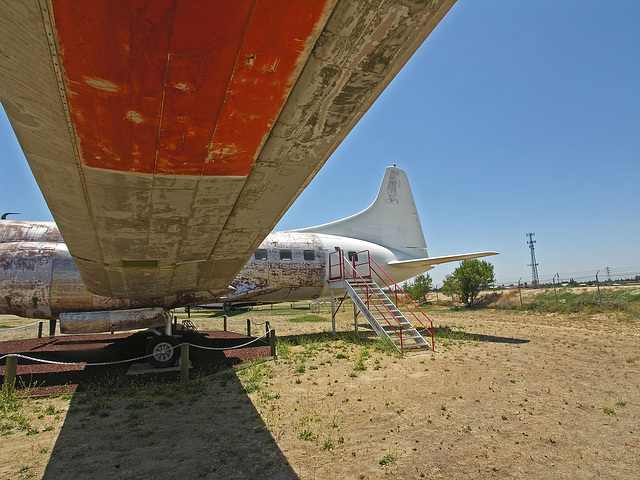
390	457
623	300
309	318
609	410
255	377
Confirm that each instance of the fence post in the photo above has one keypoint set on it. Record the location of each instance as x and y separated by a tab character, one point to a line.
248	327
224	318
10	371
495	306
333	314
598	284
272	343
40	329
520	292
184	362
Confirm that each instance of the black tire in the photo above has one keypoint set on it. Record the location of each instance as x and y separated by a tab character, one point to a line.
164	351
227	307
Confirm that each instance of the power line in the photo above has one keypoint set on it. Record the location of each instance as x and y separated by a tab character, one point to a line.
617	273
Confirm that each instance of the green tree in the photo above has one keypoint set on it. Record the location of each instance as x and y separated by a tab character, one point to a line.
468	279
419	288
449	286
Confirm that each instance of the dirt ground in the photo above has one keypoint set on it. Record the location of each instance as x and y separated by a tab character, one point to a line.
506	395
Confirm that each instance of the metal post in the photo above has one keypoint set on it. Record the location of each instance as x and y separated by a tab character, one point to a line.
184	360
333	313
40	329
598	284
520	291
554	286
11	368
224	318
52	328
188	311
168	328
248	327
494	296
355	316
272	343
266	324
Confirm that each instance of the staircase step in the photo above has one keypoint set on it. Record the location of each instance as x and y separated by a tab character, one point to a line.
405	326
383	315
404	337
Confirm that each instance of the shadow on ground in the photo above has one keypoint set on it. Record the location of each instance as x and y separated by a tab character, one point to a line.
203	429
448	333
78	360
366	334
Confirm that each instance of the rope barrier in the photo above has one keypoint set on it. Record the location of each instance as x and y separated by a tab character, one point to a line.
31	325
239	320
232	348
73	363
131	359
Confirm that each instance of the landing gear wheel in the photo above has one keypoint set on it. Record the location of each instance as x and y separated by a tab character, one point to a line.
227	307
163	350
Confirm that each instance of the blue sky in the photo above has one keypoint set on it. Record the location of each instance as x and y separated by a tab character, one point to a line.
513	117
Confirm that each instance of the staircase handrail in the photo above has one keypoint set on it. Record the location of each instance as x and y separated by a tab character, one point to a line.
398	287
369	289
331	265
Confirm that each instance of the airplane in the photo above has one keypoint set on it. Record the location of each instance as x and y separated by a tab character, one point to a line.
38	278
168	138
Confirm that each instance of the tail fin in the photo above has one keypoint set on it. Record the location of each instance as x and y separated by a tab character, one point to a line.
391	220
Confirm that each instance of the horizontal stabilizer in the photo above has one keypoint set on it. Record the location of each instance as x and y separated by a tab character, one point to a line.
426	262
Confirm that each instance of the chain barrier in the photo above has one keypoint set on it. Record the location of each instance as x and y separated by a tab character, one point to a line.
133	359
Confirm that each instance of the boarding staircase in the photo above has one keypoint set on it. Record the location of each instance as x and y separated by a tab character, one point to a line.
360	277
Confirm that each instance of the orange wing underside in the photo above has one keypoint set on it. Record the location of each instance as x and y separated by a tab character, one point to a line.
180	88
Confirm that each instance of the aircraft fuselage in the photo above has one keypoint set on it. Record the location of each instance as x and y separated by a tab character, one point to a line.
39	279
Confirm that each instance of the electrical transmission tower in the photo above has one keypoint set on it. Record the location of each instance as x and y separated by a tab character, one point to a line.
534	264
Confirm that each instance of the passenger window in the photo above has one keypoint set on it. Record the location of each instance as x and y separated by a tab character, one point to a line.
353	256
309	255
261	254
285	255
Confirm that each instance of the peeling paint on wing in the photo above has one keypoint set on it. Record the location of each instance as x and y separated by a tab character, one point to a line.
134	116
102	84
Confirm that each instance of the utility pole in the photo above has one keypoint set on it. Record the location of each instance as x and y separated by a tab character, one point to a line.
608	270
533	264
